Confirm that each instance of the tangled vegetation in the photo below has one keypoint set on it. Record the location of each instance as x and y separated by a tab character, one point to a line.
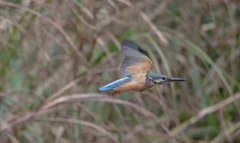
55	54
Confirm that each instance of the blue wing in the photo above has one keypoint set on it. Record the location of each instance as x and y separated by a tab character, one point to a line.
115	83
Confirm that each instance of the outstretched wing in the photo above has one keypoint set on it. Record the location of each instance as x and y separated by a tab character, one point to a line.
137	60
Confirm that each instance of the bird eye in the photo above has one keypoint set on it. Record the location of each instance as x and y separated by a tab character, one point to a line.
166	78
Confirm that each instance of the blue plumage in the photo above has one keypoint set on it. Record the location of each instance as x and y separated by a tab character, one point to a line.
115	83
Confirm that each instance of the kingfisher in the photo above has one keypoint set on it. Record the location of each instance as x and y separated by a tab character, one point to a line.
135	66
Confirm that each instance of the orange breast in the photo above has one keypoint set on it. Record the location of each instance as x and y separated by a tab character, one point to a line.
130	86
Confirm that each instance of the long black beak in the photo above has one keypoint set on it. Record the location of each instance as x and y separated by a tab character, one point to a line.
172	79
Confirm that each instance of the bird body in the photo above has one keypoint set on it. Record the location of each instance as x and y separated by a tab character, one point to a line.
135	66
129	84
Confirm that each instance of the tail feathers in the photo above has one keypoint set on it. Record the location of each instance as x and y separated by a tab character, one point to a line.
115	84
107	87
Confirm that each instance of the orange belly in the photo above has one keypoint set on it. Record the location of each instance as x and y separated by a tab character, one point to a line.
130	86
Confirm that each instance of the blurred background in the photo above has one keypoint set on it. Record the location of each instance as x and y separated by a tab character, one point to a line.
56	54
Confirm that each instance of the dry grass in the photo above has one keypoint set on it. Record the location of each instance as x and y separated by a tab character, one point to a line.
55	55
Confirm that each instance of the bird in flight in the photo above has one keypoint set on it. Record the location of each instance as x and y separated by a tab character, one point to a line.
135	66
